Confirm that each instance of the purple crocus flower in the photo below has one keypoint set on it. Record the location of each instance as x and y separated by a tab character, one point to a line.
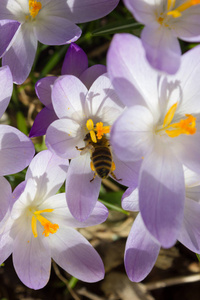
161	125
75	63
38	226
142	248
165	21
79	111
25	22
16	149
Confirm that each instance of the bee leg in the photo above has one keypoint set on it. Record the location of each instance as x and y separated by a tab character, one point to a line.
93	169
80	149
111	173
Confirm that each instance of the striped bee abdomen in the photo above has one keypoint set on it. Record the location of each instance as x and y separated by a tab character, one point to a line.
102	161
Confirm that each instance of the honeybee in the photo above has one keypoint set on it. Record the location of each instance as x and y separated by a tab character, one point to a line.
101	157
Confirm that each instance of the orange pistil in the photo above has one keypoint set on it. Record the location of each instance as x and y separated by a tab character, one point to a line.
34	8
177	12
98	131
48	226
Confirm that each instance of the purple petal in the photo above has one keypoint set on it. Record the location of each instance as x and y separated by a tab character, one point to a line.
190	232
141	251
75	61
132	77
130	199
68	97
81	194
16	150
6	88
127	171
91	74
21	54
56	31
63	136
162	49
74	254
132	134
162	194
98	215
143	11
42	121
6	197
32	258
49	171
43	89
89	10
8	28
18	191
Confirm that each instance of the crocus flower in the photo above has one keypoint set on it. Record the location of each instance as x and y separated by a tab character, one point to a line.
165	21
142	248
16	149
161	126
38	226
75	63
25	22
80	112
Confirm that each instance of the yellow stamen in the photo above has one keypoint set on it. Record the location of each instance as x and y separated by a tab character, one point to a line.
177	12
184	126
34	8
170	4
48	226
170	114
101	130
90	127
98	131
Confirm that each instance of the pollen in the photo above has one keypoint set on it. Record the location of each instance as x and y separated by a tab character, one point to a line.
101	130
184	126
48	226
34	8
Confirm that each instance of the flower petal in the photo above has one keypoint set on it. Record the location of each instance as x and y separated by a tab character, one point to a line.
75	62
103	103
190	232
162	49
89	10
49	171
134	80
42	121
63	136
8	28
130	199
6	196
56	31
132	134
68	97
6	88
74	254
31	258
21	54
91	74
141	251
126	171
143	11
162	194
16	150
43	89
81	194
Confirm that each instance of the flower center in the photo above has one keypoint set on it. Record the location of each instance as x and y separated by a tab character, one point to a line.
96	132
48	226
34	8
184	126
175	12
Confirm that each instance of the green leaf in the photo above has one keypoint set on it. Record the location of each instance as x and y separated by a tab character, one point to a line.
198	256
21	123
123	26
